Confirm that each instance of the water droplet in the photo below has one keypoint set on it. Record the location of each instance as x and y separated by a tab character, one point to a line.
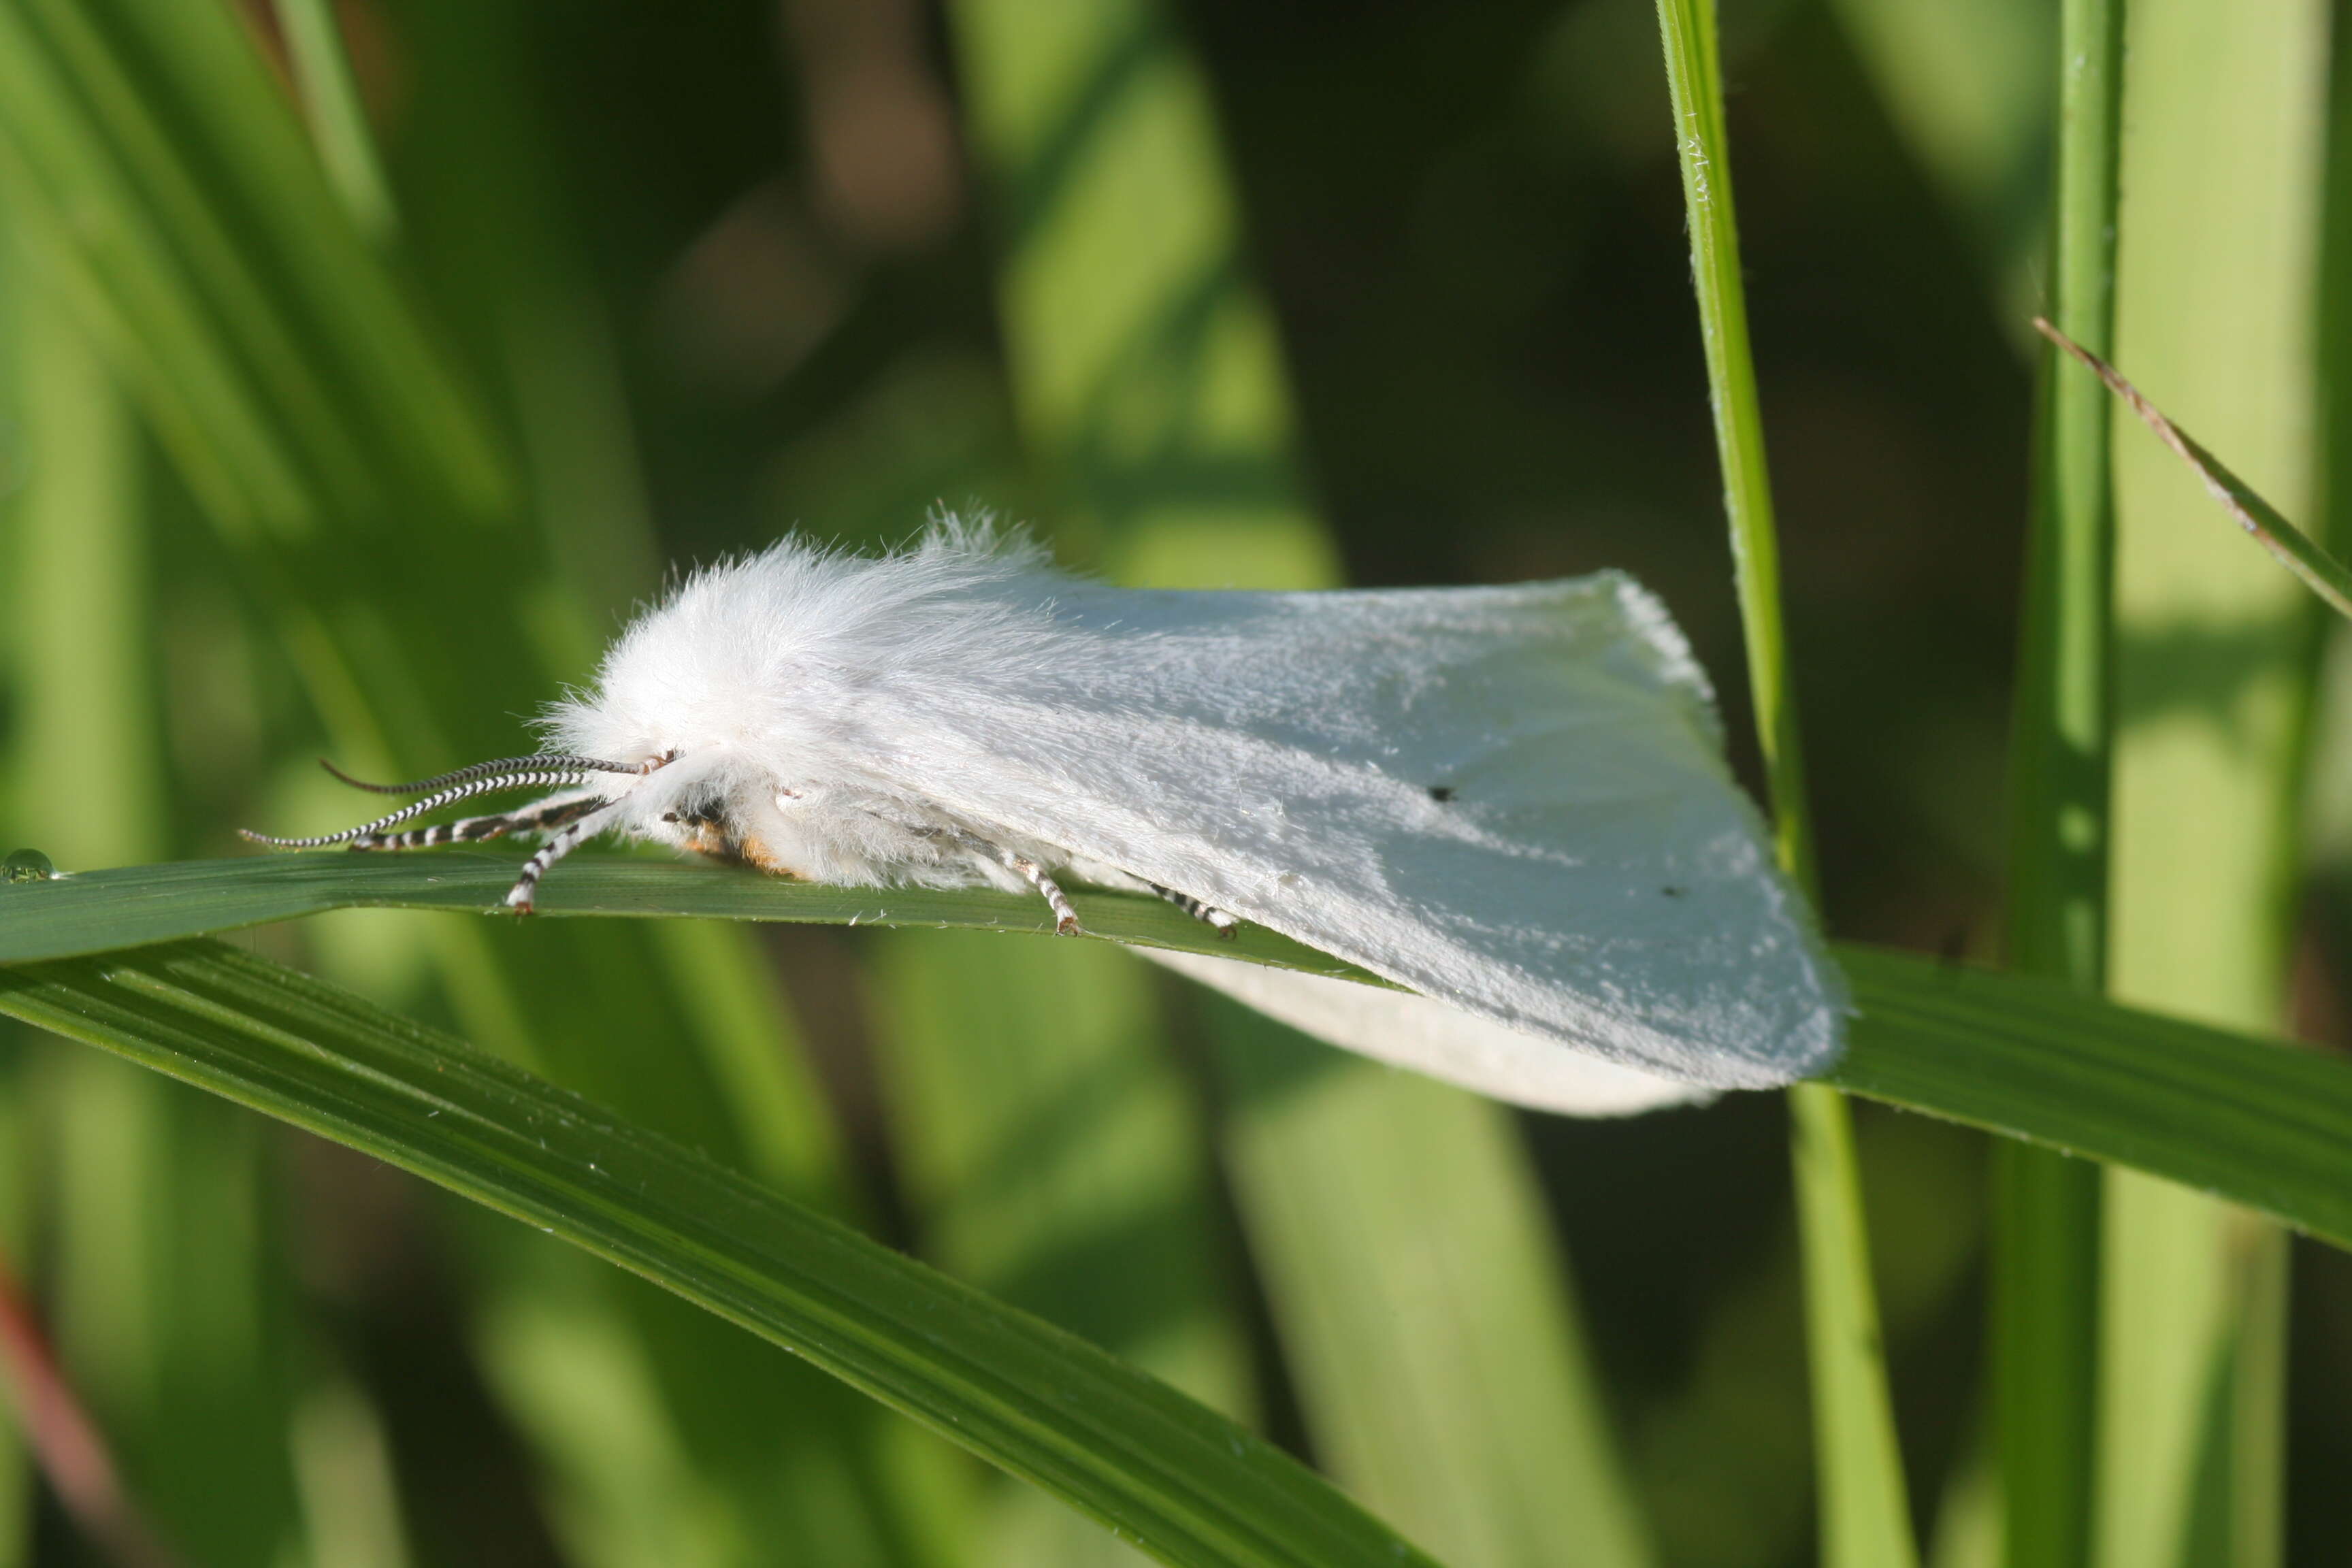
27	866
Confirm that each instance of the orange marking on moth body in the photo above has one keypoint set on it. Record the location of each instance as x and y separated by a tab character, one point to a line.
708	839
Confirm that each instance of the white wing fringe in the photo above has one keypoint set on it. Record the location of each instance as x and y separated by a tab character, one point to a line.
1413	1031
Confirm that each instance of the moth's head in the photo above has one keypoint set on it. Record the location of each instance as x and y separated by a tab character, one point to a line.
690	678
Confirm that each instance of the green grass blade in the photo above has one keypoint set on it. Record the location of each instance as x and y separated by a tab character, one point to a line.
1051	1153
2045	1266
265	331
1145	366
1864	1511
2217	233
2261	1123
1183	1482
1485	1424
337	120
2045	1334
1694	81
2262	523
99	911
1865	1517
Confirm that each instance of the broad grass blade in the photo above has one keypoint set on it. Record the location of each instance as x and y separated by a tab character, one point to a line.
1052	1153
1187	1485
2224	125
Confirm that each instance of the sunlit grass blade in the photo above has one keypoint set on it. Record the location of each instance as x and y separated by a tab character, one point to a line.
1864	1508
1431	1261
98	911
316	382
1187	1485
1865	1514
2259	1122
2288	545
321	69
2218	234
2262	1123
2045	1261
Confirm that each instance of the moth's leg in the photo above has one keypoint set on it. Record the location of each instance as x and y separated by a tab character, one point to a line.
1208	914
590	824
536	818
1066	919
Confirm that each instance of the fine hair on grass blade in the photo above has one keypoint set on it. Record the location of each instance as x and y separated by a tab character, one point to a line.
2288	545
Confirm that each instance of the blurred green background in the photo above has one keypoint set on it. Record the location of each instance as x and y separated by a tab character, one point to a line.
1393	292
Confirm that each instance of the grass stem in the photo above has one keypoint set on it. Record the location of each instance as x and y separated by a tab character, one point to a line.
2046	1204
1865	1518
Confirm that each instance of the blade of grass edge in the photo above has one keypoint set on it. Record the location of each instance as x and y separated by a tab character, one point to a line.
2264	523
2046	1207
1183	1482
2009	1052
73	915
1864	1508
2261	1123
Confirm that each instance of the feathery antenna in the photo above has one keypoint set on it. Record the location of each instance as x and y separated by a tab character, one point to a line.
498	765
535	779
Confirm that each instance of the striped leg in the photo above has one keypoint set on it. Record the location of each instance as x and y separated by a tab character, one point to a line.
1066	919
570	838
1208	914
538	818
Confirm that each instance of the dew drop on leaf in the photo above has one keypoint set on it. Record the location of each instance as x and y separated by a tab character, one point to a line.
27	866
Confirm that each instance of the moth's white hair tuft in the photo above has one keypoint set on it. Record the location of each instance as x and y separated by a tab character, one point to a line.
754	672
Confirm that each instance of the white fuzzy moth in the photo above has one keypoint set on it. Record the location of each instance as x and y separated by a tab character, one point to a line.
1510	800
